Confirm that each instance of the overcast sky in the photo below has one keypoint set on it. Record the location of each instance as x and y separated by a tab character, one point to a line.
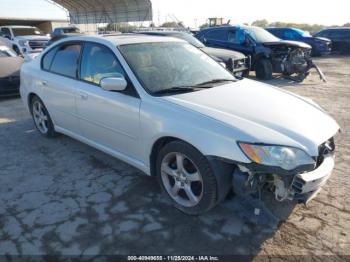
194	12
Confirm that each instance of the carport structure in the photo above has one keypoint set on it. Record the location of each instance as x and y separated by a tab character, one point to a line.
106	11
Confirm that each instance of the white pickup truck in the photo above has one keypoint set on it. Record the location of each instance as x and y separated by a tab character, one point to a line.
24	40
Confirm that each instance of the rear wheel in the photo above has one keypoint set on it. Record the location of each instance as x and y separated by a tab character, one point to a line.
263	69
186	178
41	117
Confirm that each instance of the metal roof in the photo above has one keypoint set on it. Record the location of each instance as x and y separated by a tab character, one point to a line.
107	11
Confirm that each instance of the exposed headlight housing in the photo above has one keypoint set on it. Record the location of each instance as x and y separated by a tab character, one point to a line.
22	42
287	158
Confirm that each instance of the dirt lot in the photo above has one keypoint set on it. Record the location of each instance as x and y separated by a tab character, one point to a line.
62	197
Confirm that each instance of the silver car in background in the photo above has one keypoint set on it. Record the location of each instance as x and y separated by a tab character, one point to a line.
170	110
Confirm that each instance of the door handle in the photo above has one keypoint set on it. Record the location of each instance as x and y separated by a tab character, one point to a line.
83	96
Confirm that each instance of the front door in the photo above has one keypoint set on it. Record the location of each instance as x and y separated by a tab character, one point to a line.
108	118
238	41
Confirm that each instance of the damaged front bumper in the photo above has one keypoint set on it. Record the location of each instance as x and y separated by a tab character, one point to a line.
301	186
305	186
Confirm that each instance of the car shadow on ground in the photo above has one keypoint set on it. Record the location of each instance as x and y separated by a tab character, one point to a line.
59	196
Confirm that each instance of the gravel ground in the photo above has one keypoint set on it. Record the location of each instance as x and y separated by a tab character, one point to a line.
62	197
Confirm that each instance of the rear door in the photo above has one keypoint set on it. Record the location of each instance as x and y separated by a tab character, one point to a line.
58	82
216	38
110	119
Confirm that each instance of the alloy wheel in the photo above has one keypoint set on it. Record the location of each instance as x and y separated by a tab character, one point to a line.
40	117
182	179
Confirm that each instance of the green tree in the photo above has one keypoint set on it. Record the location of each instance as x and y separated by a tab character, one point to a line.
121	27
261	23
170	24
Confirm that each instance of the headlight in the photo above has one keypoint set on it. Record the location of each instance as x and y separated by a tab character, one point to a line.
22	42
222	64
285	157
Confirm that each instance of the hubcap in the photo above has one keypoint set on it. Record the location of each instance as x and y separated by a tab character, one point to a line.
40	117
182	179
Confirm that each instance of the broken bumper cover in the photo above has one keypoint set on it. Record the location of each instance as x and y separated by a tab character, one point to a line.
306	186
301	184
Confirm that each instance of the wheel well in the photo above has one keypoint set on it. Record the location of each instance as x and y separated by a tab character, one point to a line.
157	146
30	98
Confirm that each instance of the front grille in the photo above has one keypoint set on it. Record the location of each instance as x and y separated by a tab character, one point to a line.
239	63
325	149
37	44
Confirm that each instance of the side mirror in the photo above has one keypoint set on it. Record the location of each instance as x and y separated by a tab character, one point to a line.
113	84
8	37
246	42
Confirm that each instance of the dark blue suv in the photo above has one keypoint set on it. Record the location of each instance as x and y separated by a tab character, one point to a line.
268	53
320	45
340	37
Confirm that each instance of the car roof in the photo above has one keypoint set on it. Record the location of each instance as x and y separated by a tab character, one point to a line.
122	39
125	39
337	28
168	32
230	26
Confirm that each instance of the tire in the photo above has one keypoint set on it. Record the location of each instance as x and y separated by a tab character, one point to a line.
194	174
246	73
41	118
263	69
16	49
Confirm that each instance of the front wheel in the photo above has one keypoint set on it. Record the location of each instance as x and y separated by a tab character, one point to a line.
186	178
16	49
263	69
42	119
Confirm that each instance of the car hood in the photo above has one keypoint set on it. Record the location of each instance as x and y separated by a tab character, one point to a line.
288	43
223	54
34	37
323	39
263	113
10	66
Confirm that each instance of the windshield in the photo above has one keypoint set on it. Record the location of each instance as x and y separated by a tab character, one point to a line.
301	32
169	65
71	30
26	31
189	38
260	35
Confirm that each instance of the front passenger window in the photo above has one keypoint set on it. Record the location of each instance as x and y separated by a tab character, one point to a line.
99	62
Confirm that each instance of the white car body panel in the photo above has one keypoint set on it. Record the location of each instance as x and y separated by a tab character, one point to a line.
211	120
266	113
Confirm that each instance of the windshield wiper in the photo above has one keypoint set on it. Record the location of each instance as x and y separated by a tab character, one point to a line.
184	89
175	89
215	81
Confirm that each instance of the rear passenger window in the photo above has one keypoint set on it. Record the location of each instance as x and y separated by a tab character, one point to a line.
47	60
218	34
66	60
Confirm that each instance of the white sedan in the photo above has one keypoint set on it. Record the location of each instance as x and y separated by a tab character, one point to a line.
170	110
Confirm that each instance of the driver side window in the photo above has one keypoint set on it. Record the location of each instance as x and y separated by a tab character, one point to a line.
236	37
99	62
5	32
290	35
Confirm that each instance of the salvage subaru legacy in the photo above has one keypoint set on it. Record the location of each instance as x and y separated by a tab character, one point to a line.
170	110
